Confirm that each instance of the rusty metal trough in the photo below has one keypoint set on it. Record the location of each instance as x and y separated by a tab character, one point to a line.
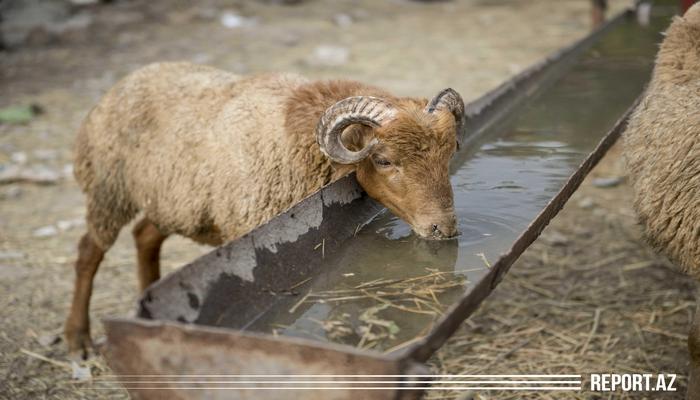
194	334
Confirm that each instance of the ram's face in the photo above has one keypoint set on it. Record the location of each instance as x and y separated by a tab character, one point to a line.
408	169
401	150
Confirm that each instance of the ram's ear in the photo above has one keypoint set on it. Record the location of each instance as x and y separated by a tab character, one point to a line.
340	170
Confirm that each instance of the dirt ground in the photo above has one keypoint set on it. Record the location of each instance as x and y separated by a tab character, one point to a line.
587	297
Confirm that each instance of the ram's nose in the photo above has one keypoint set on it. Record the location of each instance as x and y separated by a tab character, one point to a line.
445	230
440	227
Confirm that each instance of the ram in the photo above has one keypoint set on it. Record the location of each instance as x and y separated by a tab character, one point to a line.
209	155
662	148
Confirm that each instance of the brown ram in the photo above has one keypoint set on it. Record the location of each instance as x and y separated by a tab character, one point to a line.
209	155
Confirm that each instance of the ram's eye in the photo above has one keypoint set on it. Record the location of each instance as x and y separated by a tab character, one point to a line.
382	162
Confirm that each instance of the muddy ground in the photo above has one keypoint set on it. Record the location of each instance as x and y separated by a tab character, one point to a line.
542	319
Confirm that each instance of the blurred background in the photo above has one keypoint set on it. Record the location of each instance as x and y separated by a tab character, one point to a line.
58	57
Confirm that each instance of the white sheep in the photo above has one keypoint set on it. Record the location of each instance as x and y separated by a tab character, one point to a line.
662	148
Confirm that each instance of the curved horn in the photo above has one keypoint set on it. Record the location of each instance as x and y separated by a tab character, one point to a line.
365	110
450	100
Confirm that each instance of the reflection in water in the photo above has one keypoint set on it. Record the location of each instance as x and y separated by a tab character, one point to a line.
520	164
372	257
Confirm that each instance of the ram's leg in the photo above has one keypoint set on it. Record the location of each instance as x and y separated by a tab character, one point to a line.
694	349
77	328
148	242
598	8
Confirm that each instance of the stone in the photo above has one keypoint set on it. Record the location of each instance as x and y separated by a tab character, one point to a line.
65	225
49	339
11	255
607	182
19	157
343	20
329	56
586	203
45	231
80	373
232	20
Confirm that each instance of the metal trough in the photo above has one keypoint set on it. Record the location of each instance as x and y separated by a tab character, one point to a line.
212	317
